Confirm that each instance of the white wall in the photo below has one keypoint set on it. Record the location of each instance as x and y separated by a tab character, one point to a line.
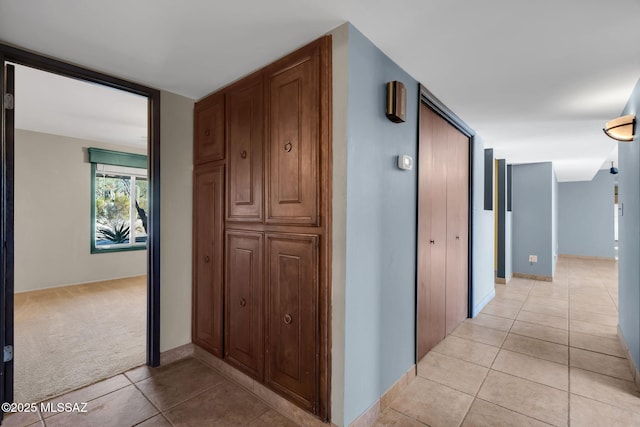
53	215
176	168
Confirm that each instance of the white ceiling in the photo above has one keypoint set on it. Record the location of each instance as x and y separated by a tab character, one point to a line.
535	79
49	103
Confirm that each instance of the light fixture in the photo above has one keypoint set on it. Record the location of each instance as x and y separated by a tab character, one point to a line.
613	170
396	101
621	129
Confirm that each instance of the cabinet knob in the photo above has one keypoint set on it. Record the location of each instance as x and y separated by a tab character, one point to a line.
206	258
243	302
457	237
243	154
288	147
207	132
288	319
432	241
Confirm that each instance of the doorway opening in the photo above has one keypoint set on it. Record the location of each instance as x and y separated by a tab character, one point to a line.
80	223
106	228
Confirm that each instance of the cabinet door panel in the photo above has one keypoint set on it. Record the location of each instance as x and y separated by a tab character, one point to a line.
245	135
292	317
209	128
208	258
244	332
292	189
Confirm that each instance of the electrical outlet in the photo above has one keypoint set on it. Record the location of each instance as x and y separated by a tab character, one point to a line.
533	258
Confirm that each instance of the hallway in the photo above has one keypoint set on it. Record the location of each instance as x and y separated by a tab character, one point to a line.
539	353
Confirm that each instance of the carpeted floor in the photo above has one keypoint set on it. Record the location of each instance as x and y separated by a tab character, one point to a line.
72	336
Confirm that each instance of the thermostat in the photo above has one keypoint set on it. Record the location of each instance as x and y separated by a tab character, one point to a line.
405	162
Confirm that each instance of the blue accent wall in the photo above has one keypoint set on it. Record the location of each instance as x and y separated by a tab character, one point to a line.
629	234
381	230
586	216
554	220
533	218
483	289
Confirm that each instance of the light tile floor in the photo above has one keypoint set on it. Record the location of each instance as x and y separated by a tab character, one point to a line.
540	353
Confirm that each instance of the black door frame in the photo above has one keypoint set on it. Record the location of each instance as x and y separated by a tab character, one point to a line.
45	63
430	100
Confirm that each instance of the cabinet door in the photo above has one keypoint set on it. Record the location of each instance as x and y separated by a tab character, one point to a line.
208	258
292	330
244	301
294	120
209	129
245	135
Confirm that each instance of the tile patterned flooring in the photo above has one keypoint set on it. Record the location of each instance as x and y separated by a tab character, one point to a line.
539	354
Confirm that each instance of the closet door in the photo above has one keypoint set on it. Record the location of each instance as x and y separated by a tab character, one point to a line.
208	258
457	228
292	330
244	301
294	121
209	130
245	136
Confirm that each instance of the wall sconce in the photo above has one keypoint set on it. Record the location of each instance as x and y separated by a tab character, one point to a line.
396	101
613	170
621	129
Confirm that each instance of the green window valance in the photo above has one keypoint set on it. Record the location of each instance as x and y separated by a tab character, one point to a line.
117	158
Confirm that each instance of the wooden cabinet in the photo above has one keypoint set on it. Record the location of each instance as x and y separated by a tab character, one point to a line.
208	216
244	332
261	201
443	238
209	130
292	316
292	166
245	136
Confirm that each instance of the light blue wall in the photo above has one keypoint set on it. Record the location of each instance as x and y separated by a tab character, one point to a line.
381	230
586	216
532	218
483	289
629	234
554	220
508	246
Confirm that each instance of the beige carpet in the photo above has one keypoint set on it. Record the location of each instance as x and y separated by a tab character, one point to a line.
72	336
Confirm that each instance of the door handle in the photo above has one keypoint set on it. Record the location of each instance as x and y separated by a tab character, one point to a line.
243	302
206	258
432	241
288	319
457	237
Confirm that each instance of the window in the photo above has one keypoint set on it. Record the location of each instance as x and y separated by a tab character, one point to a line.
119	204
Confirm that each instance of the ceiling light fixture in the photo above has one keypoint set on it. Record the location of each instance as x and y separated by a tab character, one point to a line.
613	170
621	129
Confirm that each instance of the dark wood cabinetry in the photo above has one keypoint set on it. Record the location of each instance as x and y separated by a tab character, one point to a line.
443	229
208	214
292	322
244	332
293	134
209	130
268	314
245	136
